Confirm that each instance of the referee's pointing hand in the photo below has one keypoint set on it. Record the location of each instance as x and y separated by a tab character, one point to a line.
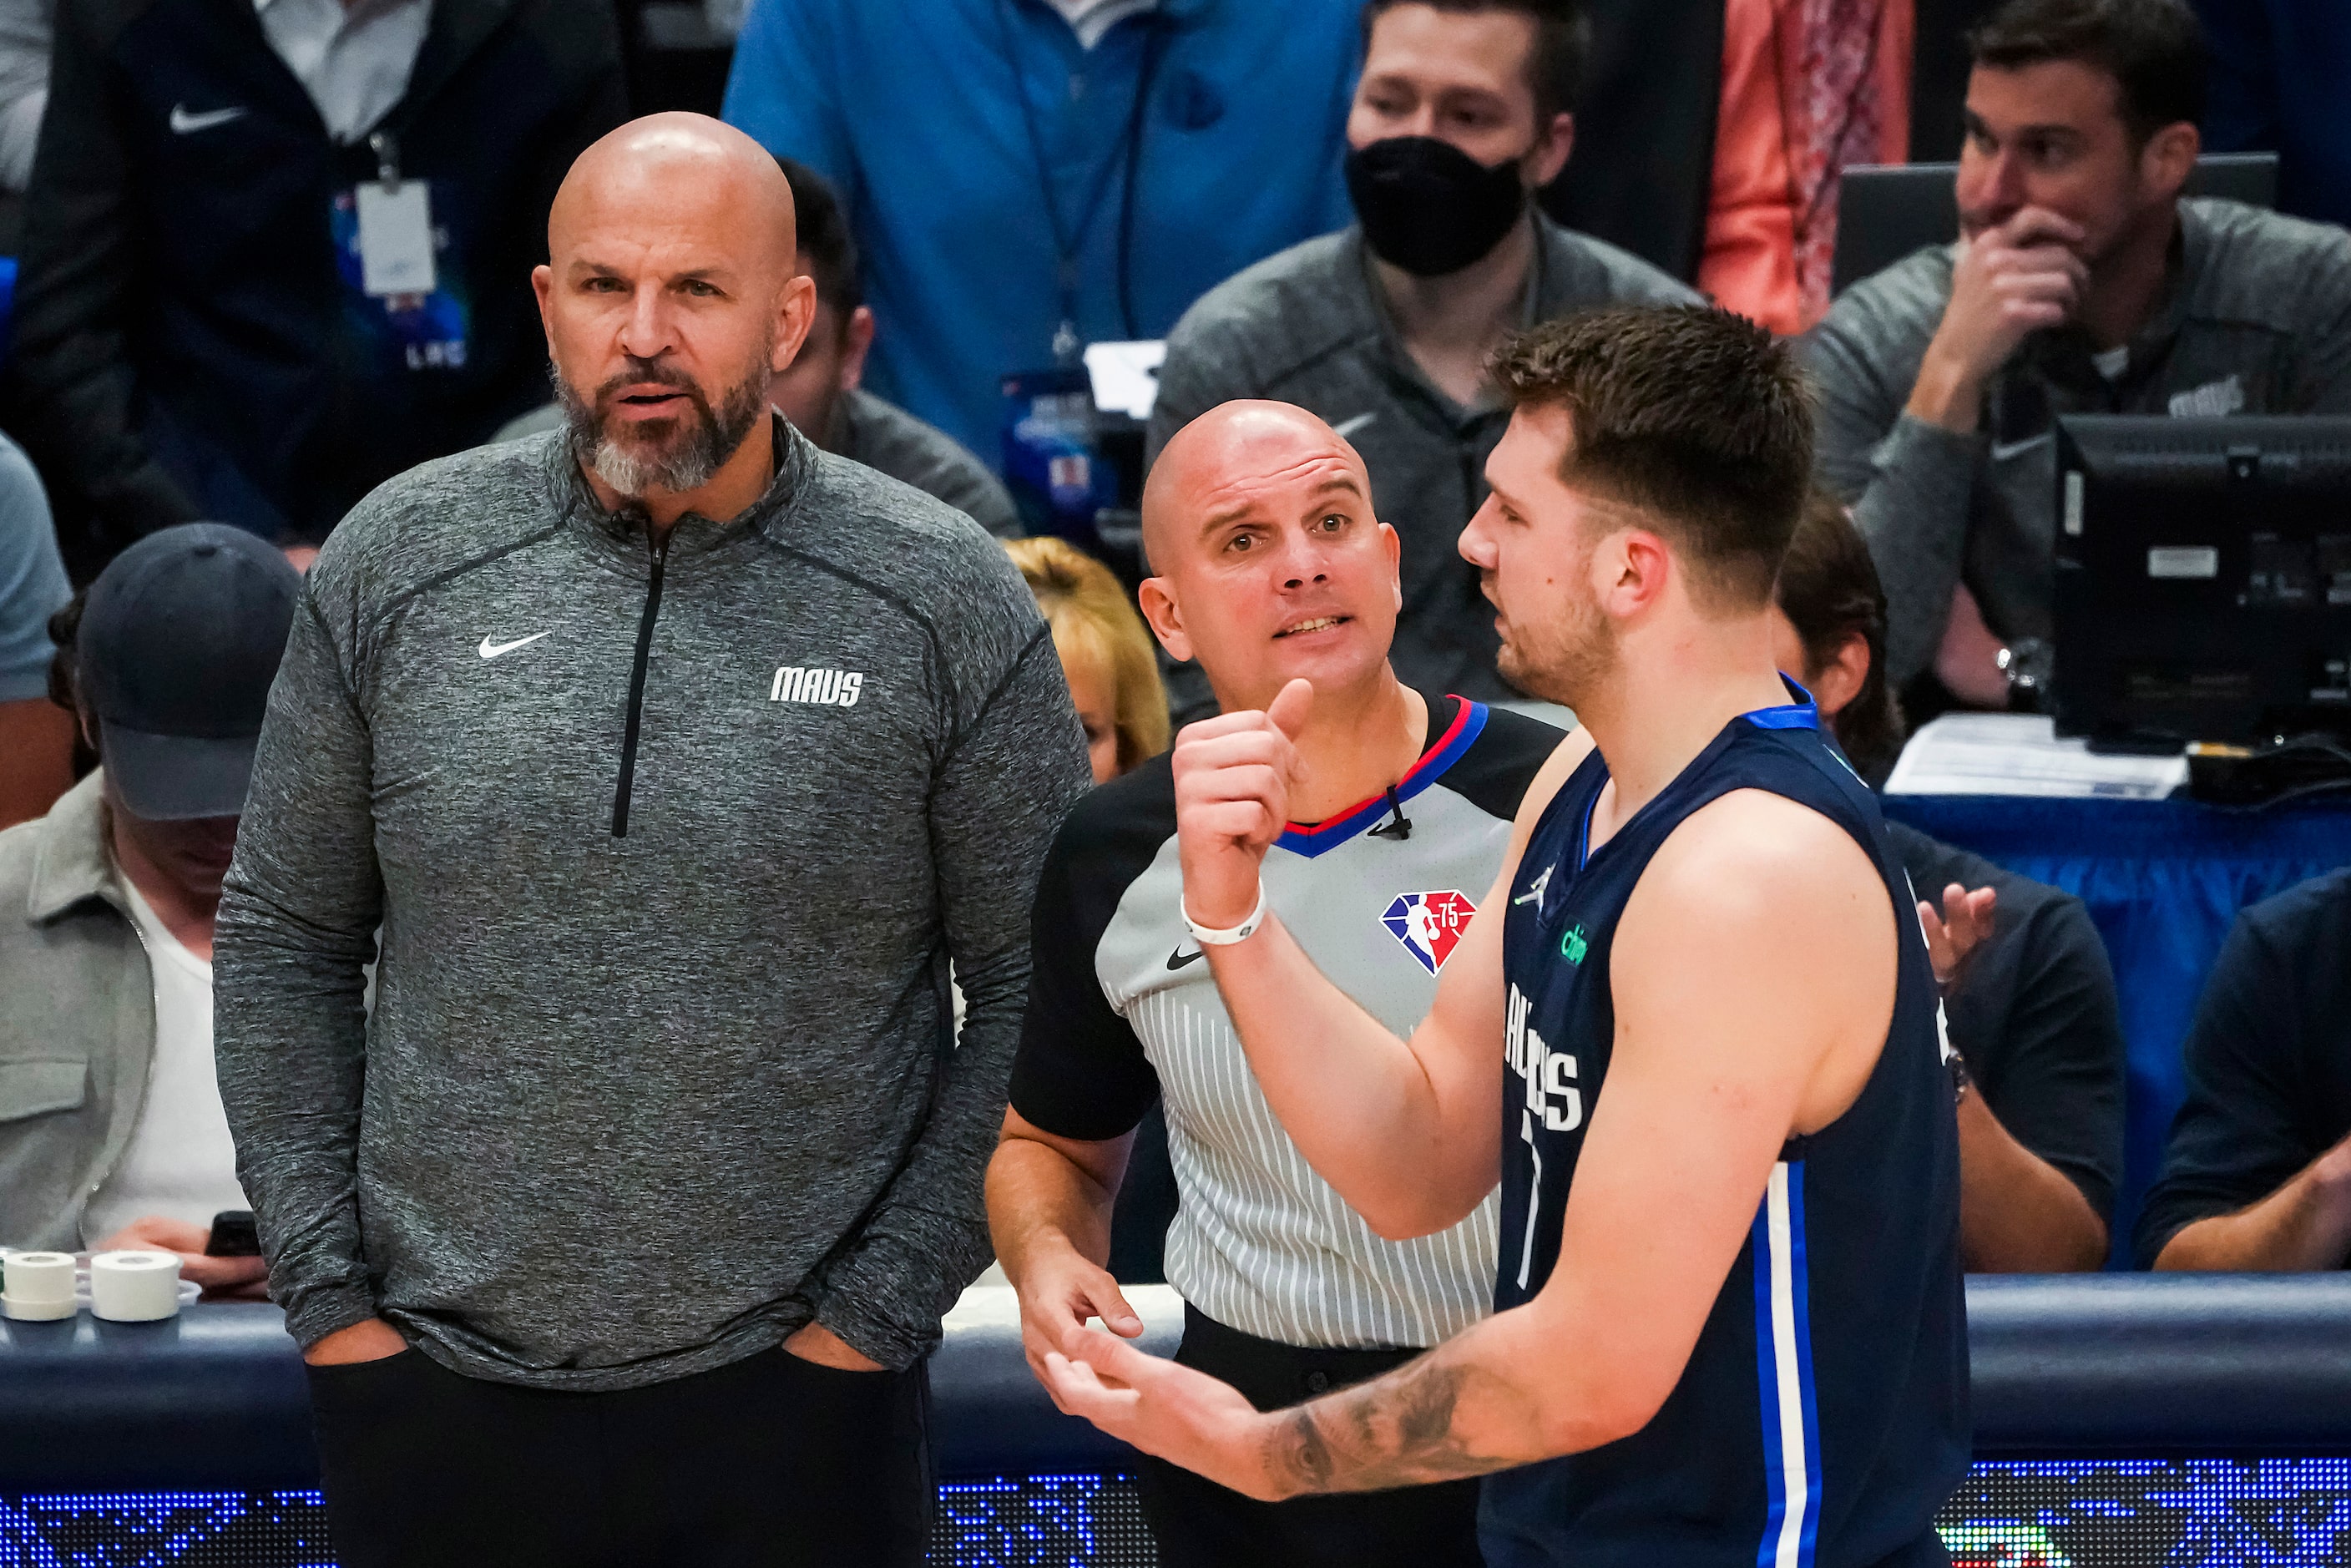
1233	777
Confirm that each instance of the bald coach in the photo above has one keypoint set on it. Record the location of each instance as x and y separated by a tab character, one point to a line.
673	760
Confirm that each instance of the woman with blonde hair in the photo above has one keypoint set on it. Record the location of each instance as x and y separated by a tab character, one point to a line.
1106	652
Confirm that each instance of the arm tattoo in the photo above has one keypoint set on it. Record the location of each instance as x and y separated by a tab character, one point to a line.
1400	1430
1305	1456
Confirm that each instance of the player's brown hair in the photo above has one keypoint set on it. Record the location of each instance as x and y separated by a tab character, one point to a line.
1694	415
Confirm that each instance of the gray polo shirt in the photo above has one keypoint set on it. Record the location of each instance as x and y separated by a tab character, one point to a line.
2258	320
1309	327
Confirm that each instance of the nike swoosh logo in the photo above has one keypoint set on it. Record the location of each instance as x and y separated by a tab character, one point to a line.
1347	428
2001	451
489	650
1178	959
184	124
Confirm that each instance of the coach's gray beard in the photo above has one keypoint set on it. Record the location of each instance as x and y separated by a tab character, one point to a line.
689	461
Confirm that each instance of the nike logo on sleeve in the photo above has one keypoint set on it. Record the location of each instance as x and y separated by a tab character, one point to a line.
1179	958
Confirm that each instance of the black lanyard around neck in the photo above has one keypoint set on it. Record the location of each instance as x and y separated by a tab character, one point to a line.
1069	238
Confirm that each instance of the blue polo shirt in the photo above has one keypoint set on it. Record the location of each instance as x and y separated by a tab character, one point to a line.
910	107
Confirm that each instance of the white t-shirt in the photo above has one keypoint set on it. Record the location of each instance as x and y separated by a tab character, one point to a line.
1090	19
180	1162
354	60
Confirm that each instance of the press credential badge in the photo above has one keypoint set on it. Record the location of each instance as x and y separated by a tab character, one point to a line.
395	237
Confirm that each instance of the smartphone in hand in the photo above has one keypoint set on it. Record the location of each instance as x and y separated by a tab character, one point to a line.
234	1235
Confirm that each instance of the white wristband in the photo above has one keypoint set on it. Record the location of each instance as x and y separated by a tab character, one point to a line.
1209	936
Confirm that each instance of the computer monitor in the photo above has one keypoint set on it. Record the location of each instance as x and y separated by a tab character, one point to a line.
2204	581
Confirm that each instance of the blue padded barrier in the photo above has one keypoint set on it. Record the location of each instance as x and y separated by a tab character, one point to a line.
2161	1363
2141	1365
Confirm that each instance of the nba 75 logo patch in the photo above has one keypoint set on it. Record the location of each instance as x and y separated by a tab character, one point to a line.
1429	925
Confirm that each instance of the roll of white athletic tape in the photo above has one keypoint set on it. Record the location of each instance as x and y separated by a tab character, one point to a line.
134	1287
40	1286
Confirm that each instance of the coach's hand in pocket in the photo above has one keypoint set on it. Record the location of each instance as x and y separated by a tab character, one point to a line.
820	1344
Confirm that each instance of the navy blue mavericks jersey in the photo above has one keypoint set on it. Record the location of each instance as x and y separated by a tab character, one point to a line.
1823	1417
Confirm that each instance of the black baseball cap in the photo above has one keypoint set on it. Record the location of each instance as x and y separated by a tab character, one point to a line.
178	645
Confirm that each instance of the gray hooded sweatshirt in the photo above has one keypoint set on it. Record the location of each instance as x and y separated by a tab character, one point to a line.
669	847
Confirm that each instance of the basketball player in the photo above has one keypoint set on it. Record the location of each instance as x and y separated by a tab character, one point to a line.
1730	1326
1270	566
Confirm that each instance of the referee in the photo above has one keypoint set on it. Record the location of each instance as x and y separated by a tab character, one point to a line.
670	759
1272	566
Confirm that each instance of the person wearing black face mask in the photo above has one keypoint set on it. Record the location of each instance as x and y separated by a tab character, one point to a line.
1463	110
1428	207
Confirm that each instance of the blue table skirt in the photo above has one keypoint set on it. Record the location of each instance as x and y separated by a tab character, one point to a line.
2163	879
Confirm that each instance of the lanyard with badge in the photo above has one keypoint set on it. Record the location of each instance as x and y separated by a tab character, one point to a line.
1051	462
390	255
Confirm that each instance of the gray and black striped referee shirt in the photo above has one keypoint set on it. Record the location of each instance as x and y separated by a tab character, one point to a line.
1123	1010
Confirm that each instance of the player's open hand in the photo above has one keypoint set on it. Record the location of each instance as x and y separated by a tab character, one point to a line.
1963	926
1234	774
1184	1417
1060	1292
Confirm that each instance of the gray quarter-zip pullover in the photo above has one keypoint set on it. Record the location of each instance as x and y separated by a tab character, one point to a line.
669	845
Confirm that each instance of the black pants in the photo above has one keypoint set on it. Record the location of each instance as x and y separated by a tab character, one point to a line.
1201	1525
773	1460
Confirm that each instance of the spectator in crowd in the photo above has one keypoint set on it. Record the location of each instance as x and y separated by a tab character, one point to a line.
111	1130
36	735
1016	167
2258	1174
1729	124
822	392
2028	992
2082	283
2278	70
1106	654
1272	566
227	310
26	27
1383	329
675	695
